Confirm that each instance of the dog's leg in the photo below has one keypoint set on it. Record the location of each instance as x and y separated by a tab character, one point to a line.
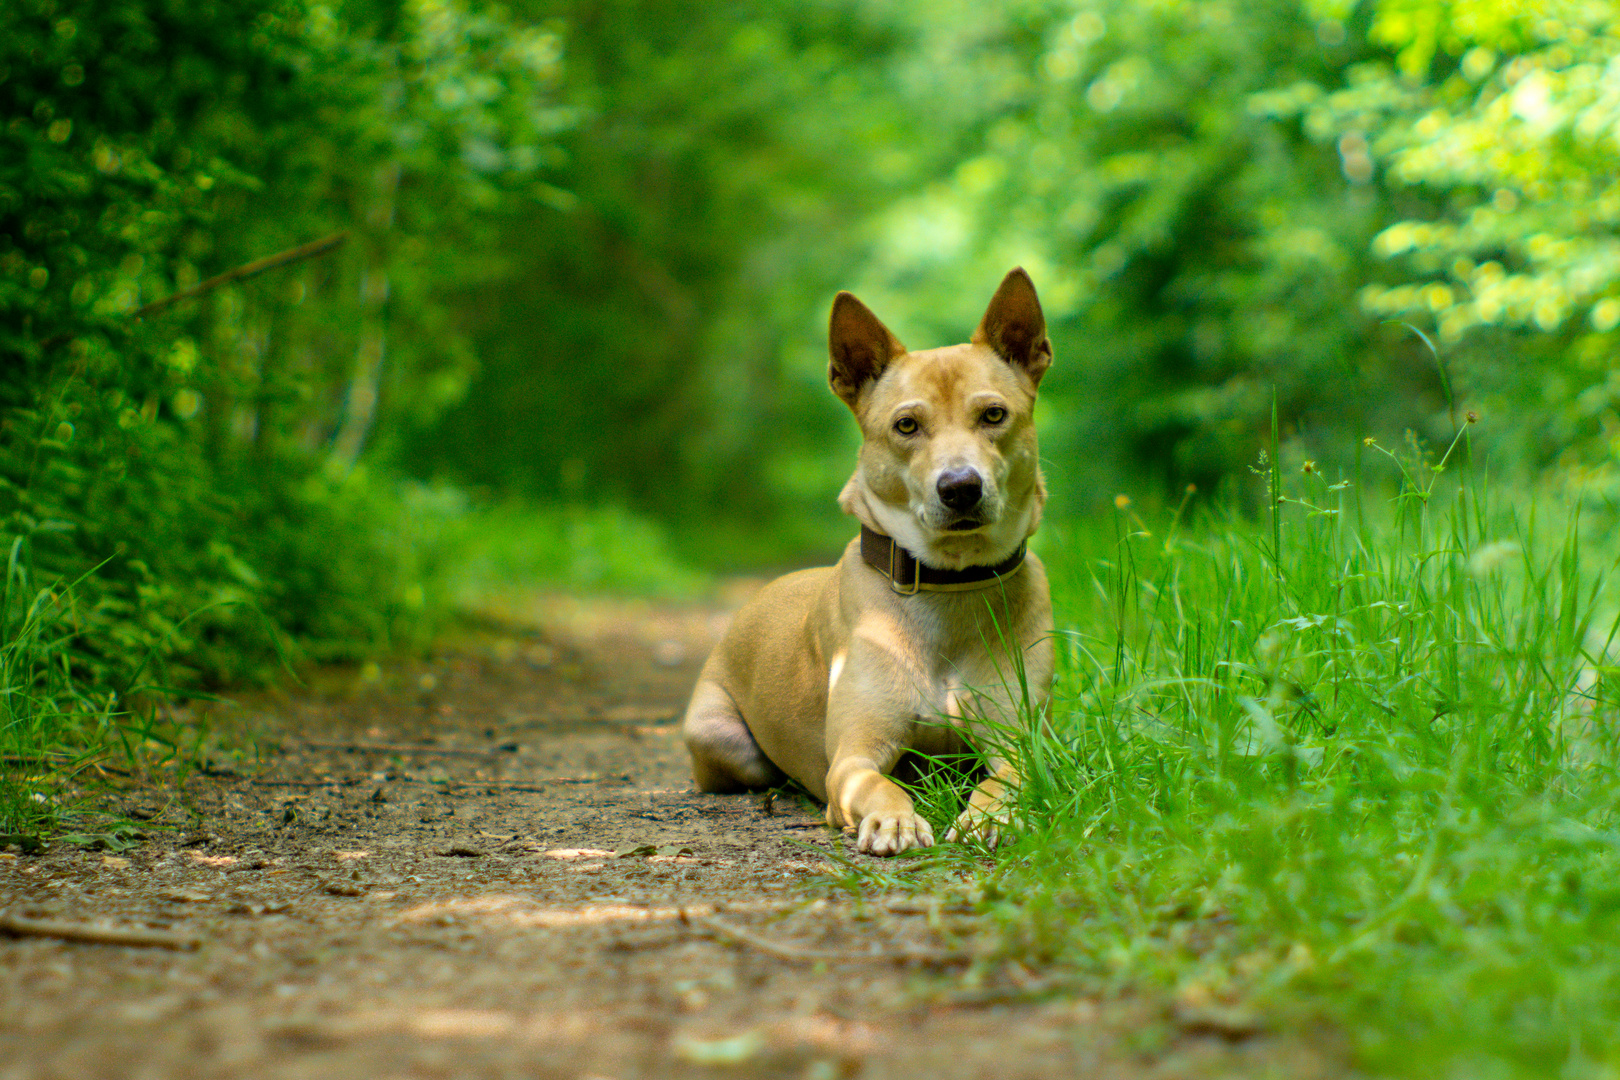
985	816
872	705
725	757
864	744
859	795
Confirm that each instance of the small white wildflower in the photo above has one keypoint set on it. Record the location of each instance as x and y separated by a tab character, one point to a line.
1492	557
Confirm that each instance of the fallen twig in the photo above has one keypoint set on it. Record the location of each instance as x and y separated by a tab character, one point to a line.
612	778
906	905
18	926
449	782
801	955
1035	990
334	782
402	748
533	784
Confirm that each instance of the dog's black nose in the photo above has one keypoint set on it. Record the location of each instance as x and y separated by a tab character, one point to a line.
960	489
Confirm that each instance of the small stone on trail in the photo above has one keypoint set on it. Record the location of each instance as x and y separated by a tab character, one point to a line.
669	653
185	896
732	1051
345	888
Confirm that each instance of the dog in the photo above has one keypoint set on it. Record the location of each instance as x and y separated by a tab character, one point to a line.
830	676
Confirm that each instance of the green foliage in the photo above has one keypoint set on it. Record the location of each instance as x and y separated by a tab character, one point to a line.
193	469
1197	243
202	458
1217	200
1503	114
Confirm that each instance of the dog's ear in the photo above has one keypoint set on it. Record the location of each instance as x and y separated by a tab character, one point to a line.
1015	328
861	347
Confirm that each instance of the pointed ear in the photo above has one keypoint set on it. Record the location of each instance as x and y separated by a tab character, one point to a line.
861	347
1015	328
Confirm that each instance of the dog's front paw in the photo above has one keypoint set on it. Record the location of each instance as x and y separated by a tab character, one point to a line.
975	824
890	834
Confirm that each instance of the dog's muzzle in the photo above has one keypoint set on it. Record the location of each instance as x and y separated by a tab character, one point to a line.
964	504
960	489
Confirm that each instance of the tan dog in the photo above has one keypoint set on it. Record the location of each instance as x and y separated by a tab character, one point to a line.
831	675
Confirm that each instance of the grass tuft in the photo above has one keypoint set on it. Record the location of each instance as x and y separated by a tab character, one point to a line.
47	717
1354	762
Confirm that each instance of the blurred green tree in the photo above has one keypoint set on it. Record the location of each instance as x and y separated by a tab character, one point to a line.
722	168
1504	114
196	457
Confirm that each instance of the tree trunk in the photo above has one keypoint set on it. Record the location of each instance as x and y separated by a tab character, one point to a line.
361	408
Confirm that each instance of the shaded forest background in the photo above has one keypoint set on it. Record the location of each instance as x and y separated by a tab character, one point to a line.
576	323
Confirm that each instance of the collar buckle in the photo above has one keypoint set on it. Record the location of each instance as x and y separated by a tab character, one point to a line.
896	582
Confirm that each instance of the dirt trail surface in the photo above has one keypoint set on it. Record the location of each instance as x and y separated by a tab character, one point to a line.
443	871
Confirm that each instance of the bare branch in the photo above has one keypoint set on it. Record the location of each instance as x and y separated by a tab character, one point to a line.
242	273
17	926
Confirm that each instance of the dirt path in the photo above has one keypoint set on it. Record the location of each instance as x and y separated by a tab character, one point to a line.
446	906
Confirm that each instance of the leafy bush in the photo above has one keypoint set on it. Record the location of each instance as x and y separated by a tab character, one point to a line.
1502	115
196	456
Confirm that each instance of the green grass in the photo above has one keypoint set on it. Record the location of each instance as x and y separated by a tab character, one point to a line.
1352	762
47	717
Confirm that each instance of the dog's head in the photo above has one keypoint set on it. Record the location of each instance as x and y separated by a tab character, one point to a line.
949	466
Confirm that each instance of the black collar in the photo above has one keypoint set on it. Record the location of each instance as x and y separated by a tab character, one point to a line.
907	575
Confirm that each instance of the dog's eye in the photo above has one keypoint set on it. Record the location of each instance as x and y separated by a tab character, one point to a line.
995	414
906	426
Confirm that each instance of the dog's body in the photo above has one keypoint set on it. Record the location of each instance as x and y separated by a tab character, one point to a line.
831	675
